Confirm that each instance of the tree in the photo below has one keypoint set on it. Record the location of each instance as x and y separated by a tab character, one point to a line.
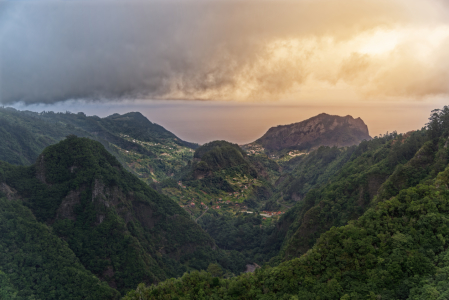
215	270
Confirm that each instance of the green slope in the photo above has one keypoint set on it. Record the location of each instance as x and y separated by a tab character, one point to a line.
38	265
248	234
145	148
119	228
133	124
220	175
218	156
23	135
344	188
220	167
396	249
224	189
7	290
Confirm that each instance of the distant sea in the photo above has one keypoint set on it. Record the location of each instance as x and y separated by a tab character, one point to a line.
203	121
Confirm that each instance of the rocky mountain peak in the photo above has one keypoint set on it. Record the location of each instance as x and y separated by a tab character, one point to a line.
321	130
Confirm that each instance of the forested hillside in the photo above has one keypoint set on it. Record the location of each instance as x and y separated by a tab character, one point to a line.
358	222
108	221
36	264
221	177
215	164
350	190
147	149
396	249
23	135
327	187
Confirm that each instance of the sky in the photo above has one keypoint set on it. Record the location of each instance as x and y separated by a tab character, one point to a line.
215	69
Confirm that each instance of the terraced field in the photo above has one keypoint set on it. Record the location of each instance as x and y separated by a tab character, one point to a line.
169	159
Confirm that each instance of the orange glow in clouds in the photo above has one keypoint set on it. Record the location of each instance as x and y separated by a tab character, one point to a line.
335	50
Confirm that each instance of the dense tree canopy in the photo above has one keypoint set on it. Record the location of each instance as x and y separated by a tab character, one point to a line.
396	250
118	228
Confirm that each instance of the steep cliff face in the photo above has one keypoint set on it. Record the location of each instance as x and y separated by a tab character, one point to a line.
321	130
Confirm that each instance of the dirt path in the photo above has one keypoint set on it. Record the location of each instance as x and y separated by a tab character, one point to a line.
202	214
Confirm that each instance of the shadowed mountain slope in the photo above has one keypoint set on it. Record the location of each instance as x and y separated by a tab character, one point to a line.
119	228
36	264
395	250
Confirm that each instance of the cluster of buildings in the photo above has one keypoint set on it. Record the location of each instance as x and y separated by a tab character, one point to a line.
271	213
180	184
254	150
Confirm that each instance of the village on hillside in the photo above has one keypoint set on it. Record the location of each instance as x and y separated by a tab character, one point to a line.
170	158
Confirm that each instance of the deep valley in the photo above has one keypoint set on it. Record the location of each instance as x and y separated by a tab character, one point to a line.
104	208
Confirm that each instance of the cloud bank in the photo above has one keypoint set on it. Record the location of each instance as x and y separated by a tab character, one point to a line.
52	51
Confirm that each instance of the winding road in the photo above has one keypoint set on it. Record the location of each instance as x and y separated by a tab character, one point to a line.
277	201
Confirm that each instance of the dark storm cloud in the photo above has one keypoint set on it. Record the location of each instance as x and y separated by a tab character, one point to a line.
59	50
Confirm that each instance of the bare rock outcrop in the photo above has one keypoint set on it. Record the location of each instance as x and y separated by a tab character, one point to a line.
66	209
40	169
10	193
321	130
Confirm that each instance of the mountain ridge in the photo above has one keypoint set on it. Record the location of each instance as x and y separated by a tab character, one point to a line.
25	134
320	130
374	226
350	232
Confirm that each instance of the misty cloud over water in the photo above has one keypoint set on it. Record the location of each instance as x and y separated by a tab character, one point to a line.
226	50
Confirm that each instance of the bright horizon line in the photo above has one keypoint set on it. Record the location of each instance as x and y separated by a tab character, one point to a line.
242	123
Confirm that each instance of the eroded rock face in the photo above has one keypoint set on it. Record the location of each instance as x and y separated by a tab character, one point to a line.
321	130
9	192
40	169
105	197
67	207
